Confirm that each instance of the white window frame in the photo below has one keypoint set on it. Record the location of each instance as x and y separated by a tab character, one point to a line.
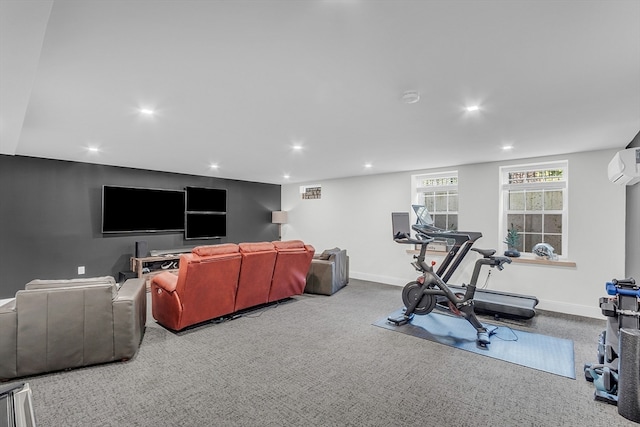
563	185
418	189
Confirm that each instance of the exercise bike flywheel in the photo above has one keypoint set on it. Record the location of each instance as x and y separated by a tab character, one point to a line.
413	291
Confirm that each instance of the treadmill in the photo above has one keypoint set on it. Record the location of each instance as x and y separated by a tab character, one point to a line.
496	303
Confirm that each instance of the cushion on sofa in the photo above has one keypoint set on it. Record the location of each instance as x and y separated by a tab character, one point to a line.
326	254
254	282
68	283
256	247
56	283
289	244
210	250
290	270
204	289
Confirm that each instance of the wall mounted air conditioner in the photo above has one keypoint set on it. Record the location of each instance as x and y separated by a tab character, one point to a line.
624	168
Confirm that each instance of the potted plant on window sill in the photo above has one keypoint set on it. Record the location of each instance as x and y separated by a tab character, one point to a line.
512	240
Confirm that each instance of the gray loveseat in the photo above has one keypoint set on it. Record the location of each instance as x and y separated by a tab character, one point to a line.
60	324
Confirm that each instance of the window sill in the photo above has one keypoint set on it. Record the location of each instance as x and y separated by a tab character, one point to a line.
417	252
532	259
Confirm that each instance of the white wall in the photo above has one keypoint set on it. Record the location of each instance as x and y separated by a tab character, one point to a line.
355	214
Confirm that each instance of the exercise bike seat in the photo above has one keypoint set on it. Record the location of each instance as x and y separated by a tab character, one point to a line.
485	252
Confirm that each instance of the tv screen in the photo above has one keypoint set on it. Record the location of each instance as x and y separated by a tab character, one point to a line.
200	199
205	225
141	210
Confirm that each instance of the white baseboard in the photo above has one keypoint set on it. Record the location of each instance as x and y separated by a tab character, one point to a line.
378	279
574	309
555	306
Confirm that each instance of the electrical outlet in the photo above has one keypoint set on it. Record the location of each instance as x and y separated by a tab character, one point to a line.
81	269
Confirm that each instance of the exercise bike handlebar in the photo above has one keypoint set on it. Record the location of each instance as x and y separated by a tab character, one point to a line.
407	239
487	259
498	262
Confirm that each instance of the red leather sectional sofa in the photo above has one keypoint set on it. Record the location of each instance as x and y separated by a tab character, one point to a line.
217	280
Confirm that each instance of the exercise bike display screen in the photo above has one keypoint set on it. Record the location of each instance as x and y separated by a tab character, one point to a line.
401	224
424	218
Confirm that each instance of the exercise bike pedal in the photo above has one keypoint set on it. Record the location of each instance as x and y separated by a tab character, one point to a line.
401	319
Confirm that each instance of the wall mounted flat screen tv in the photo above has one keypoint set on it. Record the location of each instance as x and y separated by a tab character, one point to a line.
205	225
141	210
201	199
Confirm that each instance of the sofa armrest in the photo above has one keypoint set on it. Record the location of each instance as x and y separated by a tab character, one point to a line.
166	281
320	264
8	341
129	318
130	289
342	267
321	278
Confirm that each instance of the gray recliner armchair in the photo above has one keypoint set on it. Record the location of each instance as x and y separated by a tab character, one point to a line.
60	324
329	272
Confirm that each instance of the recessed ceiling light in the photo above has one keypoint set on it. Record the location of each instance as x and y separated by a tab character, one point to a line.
297	147
286	176
411	97
472	108
92	149
147	111
507	147
213	166
368	165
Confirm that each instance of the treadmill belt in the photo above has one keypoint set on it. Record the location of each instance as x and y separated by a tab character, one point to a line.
503	304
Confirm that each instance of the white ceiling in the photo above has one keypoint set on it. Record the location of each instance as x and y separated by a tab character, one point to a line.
238	83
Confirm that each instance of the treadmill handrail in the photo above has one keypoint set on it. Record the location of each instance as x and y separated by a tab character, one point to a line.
459	236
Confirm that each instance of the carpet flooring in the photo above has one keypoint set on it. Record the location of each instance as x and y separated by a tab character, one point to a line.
319	361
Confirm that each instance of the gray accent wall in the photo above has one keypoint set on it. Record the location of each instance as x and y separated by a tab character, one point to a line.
51	212
632	249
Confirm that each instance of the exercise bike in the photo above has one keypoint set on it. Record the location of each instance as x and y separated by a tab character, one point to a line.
429	290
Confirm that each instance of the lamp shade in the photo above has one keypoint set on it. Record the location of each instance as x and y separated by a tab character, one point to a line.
279	217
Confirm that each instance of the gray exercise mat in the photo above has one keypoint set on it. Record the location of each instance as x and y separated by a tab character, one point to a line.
545	353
